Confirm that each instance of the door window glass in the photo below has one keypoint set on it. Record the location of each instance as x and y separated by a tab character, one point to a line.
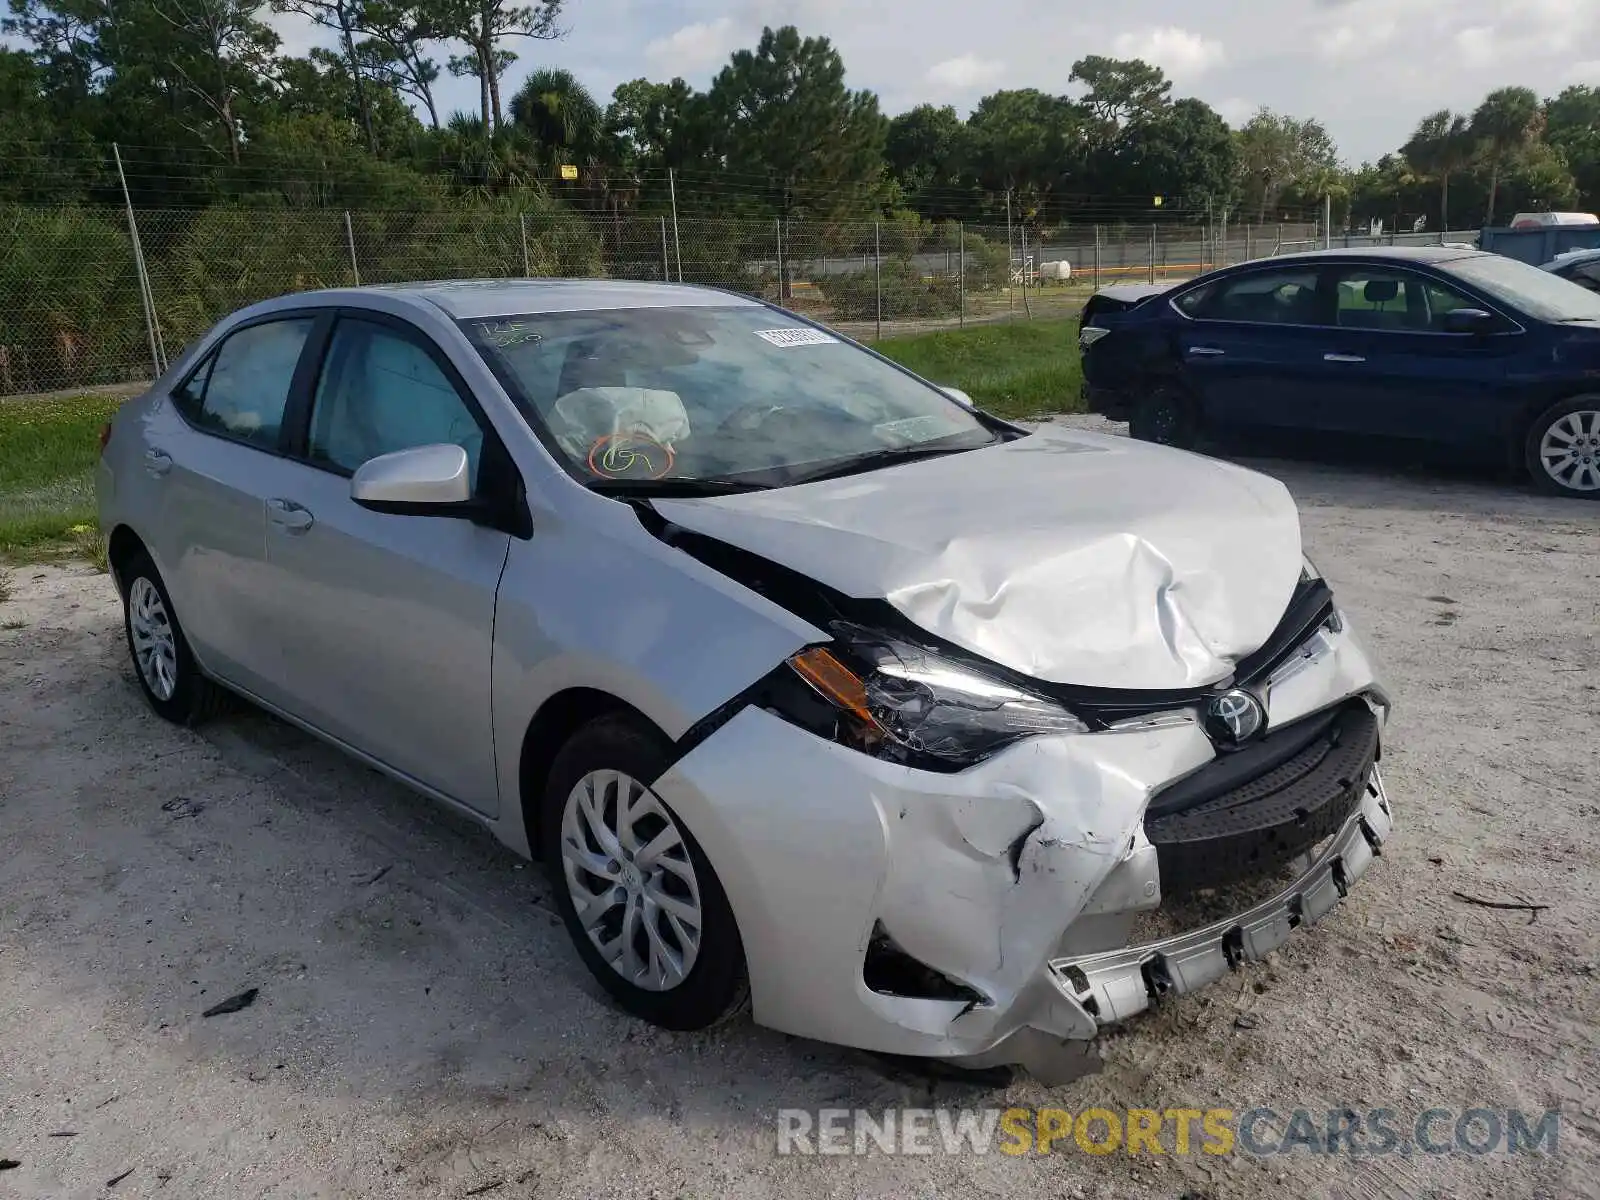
1271	297
1398	301
242	388
381	392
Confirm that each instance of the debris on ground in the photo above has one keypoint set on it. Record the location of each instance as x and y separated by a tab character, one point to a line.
233	1004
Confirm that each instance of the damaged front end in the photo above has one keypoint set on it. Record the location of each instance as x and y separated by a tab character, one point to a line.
933	856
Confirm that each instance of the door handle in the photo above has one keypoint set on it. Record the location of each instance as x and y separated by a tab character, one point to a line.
1206	352
157	462
289	516
1343	358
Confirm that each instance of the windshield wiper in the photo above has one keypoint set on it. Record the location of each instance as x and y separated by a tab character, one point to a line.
666	488
874	459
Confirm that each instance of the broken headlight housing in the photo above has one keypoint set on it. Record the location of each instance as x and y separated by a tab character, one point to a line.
901	702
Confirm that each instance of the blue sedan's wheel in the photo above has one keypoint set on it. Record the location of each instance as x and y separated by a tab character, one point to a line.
1563	448
1166	416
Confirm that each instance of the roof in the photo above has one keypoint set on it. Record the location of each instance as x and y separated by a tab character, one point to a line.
466	298
1427	254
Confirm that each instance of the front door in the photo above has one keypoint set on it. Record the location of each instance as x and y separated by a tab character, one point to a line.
1393	371
387	621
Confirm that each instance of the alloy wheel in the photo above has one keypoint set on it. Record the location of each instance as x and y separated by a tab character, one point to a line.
632	883
155	645
1570	450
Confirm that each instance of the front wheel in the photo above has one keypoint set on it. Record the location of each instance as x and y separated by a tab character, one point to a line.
639	898
1563	448
1165	416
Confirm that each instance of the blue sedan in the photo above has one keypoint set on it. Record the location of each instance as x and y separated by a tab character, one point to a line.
1472	354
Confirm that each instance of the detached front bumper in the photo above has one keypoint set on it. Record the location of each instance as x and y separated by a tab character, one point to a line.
1007	898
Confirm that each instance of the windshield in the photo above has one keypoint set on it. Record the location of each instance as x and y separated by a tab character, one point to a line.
741	393
1541	295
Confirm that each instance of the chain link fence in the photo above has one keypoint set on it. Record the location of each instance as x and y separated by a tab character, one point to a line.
95	296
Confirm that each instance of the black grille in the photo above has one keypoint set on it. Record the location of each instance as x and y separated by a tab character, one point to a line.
1215	835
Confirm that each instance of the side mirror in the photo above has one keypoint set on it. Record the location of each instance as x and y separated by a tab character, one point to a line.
1468	320
427	481
958	396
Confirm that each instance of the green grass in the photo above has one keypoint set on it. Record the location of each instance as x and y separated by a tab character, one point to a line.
1015	369
48	450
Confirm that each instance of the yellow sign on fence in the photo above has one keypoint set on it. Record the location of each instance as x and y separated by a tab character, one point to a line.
569	172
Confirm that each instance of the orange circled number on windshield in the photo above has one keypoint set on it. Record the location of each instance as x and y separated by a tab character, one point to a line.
629	456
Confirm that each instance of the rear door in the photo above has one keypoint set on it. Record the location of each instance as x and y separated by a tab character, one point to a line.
1251	346
1393	370
209	460
387	621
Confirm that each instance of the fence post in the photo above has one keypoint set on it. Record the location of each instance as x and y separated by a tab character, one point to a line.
666	262
1327	222
1249	242
522	229
677	242
778	221
1097	258
1152	254
877	278
961	286
350	240
146	300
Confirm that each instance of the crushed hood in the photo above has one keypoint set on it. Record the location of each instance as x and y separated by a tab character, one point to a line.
1072	557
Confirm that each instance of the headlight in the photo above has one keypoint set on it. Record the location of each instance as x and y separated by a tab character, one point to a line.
906	704
1090	334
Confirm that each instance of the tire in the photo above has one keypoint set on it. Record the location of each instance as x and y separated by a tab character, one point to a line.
171	680
1165	416
1562	449
604	759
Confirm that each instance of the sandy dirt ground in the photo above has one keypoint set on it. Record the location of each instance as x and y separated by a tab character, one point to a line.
423	1027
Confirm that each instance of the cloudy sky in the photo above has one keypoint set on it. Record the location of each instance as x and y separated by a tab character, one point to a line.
1368	68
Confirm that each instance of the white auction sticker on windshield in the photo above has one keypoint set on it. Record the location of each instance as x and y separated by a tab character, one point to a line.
785	338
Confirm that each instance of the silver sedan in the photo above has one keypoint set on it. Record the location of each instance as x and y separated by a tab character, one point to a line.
816	687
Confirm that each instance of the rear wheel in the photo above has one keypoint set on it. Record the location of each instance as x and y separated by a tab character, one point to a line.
643	906
167	672
1563	448
1165	415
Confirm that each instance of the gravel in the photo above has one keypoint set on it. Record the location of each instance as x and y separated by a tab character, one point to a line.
420	1025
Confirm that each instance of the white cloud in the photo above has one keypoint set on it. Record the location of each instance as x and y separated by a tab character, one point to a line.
1479	45
694	48
1183	55
297	33
1346	42
1236	110
966	72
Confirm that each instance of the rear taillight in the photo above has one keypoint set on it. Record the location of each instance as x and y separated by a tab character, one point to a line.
105	436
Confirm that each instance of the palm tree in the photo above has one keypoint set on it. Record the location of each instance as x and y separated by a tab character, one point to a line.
1505	124
561	116
1442	145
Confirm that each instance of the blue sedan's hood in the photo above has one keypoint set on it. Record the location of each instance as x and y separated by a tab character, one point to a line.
1072	557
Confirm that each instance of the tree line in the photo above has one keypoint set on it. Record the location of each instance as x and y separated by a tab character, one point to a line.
207	110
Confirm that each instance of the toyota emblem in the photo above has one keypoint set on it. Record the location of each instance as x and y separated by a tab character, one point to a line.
1235	717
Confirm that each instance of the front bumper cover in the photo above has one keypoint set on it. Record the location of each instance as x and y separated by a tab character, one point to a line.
1118	984
1021	881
